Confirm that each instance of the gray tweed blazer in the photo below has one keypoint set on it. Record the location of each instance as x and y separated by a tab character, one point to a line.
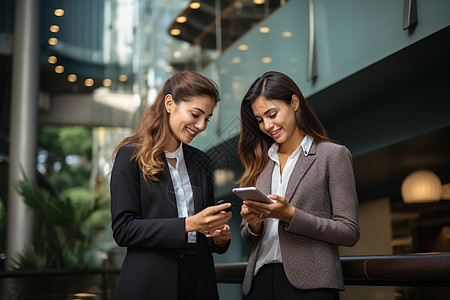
322	189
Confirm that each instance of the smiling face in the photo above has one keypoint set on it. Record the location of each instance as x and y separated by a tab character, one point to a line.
187	118
276	118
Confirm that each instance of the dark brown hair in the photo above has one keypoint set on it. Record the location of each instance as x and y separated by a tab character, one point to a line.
253	143
154	132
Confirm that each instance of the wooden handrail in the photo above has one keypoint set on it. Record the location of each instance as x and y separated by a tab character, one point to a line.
424	269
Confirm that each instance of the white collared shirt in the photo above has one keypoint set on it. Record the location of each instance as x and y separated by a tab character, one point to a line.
182	187
270	251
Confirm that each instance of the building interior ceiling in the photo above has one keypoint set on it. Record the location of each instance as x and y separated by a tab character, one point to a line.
237	17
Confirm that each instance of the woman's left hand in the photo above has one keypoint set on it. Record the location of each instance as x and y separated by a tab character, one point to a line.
281	209
222	236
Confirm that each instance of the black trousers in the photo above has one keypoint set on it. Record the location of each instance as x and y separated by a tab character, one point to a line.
270	283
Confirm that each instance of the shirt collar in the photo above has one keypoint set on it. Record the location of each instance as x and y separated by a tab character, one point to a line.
305	145
178	154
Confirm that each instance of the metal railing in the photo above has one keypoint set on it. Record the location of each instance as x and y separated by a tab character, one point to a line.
425	269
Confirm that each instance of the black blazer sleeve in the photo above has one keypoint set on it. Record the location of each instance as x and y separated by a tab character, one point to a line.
141	215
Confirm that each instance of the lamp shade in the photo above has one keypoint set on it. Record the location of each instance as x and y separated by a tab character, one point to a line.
445	193
421	187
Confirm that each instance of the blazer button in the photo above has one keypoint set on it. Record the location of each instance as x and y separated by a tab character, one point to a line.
180	254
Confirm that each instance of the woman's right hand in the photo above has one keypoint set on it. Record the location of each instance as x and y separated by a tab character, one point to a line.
253	218
209	220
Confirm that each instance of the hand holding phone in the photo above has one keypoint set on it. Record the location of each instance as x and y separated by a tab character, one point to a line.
226	201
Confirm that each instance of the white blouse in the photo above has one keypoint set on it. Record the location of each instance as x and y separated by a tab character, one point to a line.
270	251
182	187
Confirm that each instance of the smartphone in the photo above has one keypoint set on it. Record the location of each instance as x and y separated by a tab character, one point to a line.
251	193
226	201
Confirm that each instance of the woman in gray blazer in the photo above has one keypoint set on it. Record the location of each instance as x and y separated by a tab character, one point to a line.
288	156
162	201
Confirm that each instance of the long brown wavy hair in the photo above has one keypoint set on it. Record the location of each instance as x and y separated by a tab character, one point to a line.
253	143
154	132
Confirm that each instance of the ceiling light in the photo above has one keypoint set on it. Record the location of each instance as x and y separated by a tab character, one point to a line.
52	59
89	82
175	31
287	34
54	28
72	78
236	60
59	69
264	29
123	78
195	5
176	54
52	41
59	12
243	47
84	295
421	186
259	1
266	60
181	19
168	69
107	82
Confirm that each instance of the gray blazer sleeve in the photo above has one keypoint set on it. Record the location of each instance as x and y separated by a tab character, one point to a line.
341	227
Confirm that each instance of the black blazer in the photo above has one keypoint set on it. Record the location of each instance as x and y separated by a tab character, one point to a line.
145	220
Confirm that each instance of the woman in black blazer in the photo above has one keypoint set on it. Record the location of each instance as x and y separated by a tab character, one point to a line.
162	201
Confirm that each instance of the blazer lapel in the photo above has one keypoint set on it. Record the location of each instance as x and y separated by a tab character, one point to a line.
301	166
264	182
195	178
166	185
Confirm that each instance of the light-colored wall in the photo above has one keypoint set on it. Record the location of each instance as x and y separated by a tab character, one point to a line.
376	237
350	35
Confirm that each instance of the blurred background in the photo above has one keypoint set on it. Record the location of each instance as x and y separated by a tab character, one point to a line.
76	75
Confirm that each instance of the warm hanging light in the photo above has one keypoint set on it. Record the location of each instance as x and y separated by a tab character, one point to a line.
445	193
421	187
